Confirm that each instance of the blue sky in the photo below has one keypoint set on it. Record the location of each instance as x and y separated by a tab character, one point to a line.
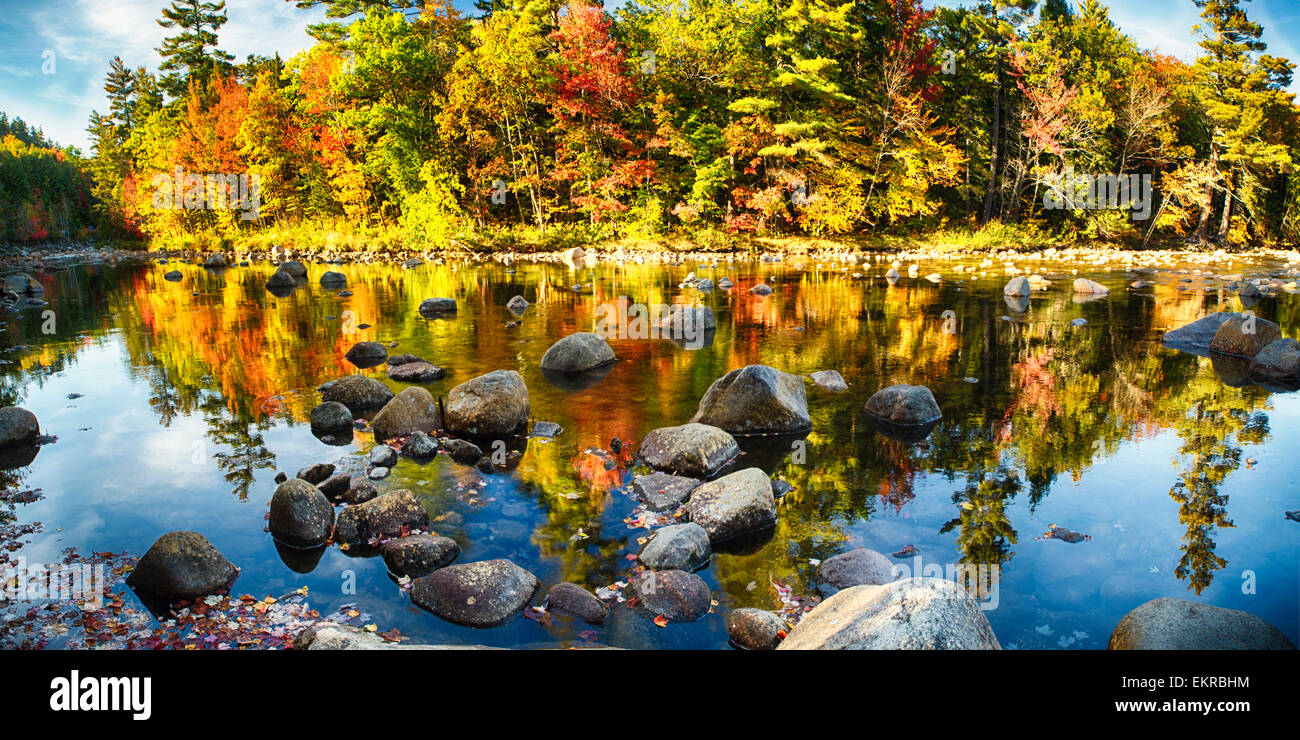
84	35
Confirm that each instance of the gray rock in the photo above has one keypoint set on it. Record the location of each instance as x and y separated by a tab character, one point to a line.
281	279
761	289
378	473
1018	286
663	492
755	400
677	547
383	456
906	405
293	269
676	594
755	629
314	474
360	491
333	280
517	304
491	406
1244	336
1199	333
697	450
331	416
301	516
416	372
18	426
462	451
830	380
182	565
418	554
1279	361
174	276
488	593
1091	287
910	614
857	567
733	505
367	354
434	307
419	445
326	635
215	261
336	487
546	429
575	601
412	410
578	353
358	393
381	517
395	360
1178	624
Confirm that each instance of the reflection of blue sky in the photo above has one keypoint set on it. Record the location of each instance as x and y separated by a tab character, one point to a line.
85	34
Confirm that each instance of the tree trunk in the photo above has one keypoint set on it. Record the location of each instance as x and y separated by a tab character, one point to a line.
995	151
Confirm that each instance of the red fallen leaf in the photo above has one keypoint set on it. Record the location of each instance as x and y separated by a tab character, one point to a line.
661	621
393	635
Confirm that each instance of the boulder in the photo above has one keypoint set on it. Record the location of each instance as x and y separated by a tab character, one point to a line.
573	256
331	416
578	353
301	516
173	276
1084	285
677	547
419	554
434	307
1017	287
367	354
663	492
857	567
215	261
733	505
1244	336
829	380
395	360
314	474
24	285
281	279
697	450
910	614
761	289
383	456
575	601
755	400
416	372
333	280
487	593
180	566
293	269
412	410
1198	334
755	629
1279	360
18	426
360	491
1178	624
905	405
358	393
419	445
336	486
462	451
517	304
381	517
675	594
490	406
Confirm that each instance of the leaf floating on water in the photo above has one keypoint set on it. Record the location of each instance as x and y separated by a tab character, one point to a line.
1055	532
1293	515
907	552
661	621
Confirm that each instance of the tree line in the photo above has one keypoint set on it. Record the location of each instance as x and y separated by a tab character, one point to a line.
536	121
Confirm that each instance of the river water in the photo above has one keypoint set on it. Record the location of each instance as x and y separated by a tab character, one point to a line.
195	393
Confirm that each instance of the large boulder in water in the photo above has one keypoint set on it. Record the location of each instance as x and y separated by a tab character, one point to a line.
911	614
281	280
1178	624
1090	287
663	492
182	565
756	400
490	406
301	516
488	593
419	554
1279	361
696	450
412	410
734	505
578	353
575	601
1017	287
381	517
905	405
1244	336
24	285
294	269
331	416
677	595
18	426
434	307
367	354
360	394
755	629
1197	335
677	547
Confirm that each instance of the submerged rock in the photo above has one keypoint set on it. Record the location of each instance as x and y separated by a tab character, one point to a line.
1178	624
578	353
395	360
857	567
182	565
384	516
494	405
910	614
755	629
416	372
434	307
755	400
18	426
488	593
358	393
677	595
663	492
697	450
906	405
1244	336
301	515
412	410
418	554
575	601
733	505
677	547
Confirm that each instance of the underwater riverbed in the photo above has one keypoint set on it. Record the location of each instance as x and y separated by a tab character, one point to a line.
175	403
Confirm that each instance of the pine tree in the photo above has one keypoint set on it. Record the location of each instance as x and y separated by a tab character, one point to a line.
191	55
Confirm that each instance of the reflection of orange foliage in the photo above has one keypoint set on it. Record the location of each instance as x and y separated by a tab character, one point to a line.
895	489
1037	391
591	469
